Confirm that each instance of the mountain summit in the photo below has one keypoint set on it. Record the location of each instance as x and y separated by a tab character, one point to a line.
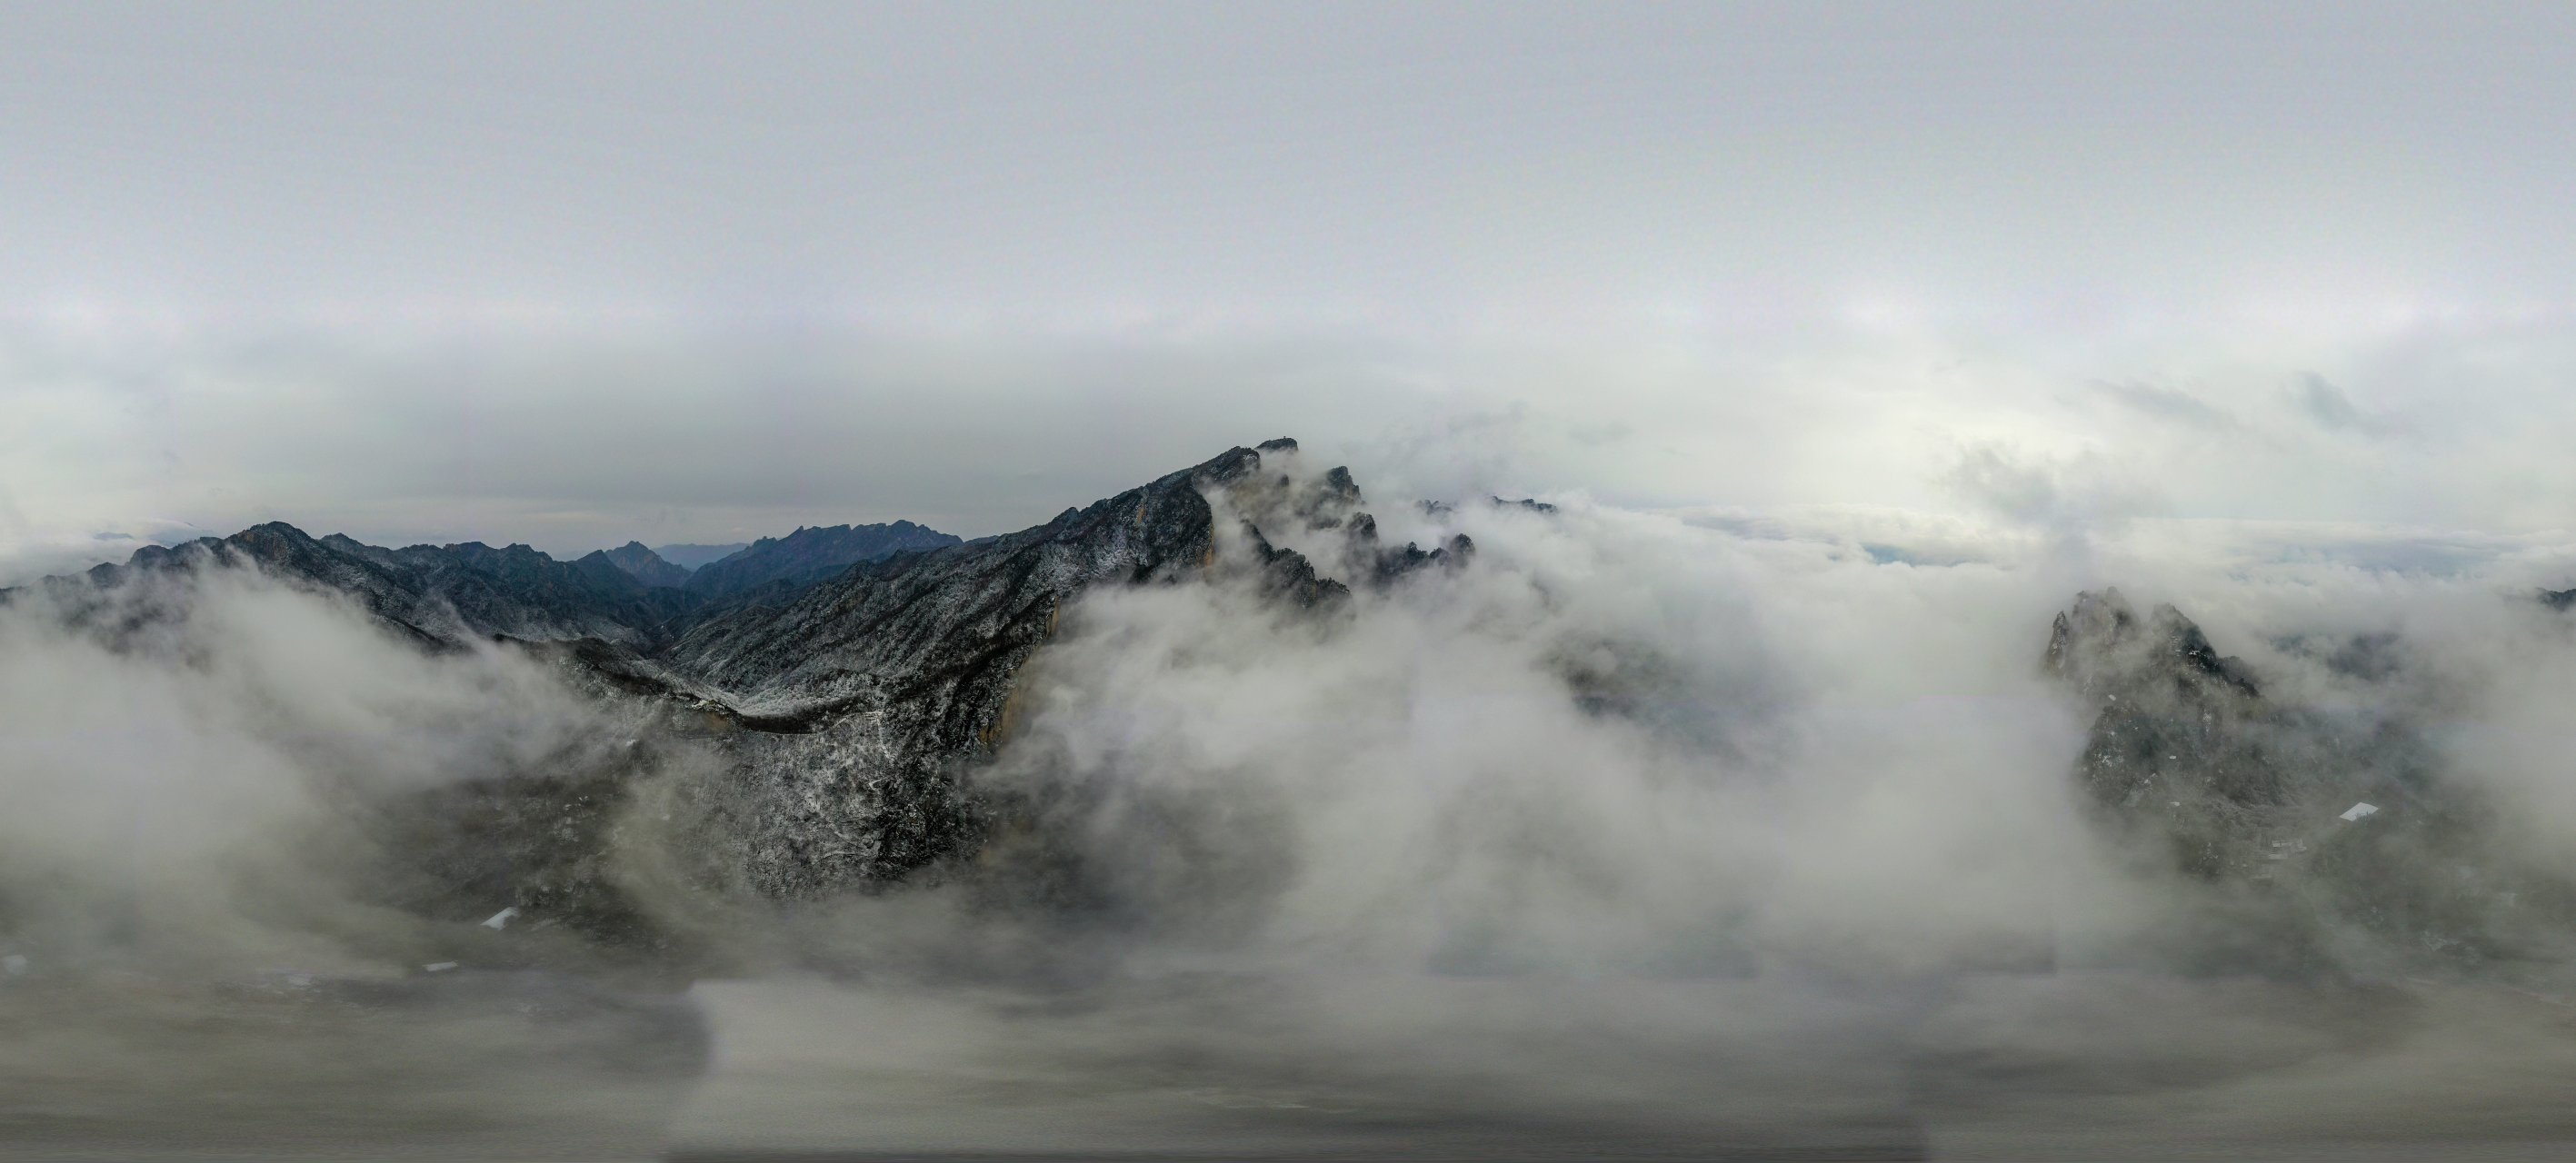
646	566
2303	827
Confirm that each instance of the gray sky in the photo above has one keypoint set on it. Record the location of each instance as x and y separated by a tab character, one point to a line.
574	273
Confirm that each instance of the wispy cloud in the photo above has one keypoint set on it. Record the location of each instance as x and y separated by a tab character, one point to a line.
2163	403
2332	409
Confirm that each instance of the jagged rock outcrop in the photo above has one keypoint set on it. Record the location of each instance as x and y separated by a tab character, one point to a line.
1330	504
2189	760
2184	742
645	566
811	554
2174	716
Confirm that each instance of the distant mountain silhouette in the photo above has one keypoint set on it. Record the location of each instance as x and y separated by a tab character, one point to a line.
688	556
811	554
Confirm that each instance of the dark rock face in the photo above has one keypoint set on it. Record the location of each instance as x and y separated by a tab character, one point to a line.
2183	737
1331	504
808	555
646	566
2103	647
2190	761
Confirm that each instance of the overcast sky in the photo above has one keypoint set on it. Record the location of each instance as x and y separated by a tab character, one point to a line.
573	273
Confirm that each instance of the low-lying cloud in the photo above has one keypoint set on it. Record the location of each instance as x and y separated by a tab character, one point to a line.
193	761
1616	747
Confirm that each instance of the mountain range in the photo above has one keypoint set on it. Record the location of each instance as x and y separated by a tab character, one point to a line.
846	675
848	678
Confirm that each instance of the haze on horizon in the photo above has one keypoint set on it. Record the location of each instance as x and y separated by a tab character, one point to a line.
2274	281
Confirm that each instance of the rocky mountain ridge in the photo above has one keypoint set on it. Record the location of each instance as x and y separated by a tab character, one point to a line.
436	595
874	687
846	701
646	566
